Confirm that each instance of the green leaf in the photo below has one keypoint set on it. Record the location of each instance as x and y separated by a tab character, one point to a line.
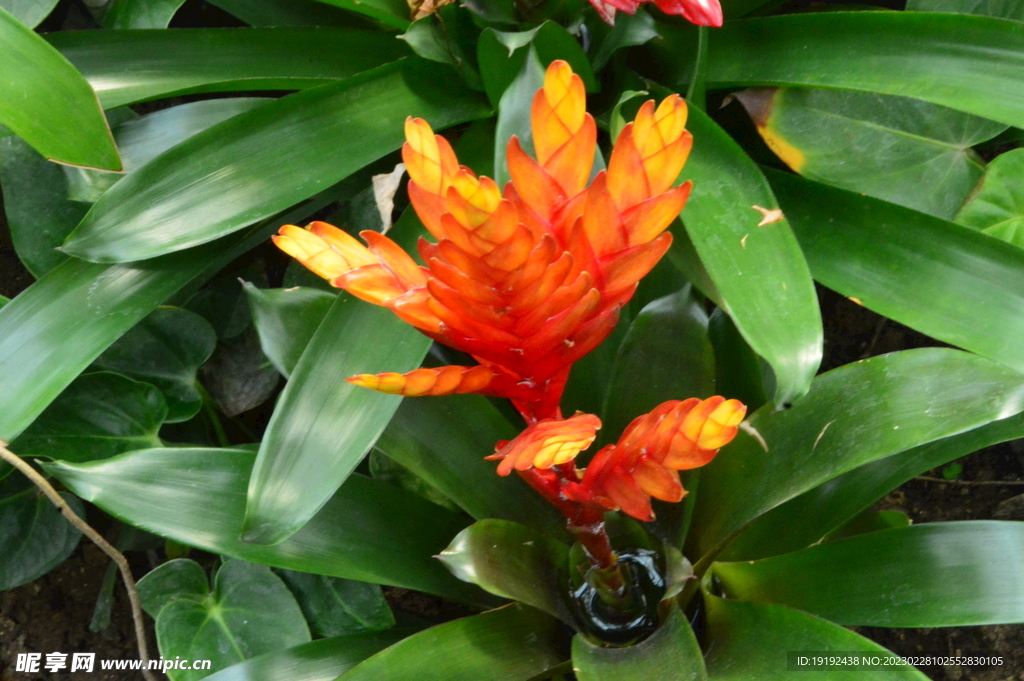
286	320
932	575
629	30
142	139
737	369
290	13
996	207
968	63
750	641
759	271
898	149
514	113
29	12
97	416
386	469
666	355
175	580
61	120
870	521
249	612
36	203
334	606
238	376
510	644
1006	9
448	36
322	660
322	426
515	562
671	653
946	281
141	13
393	13
804	520
369	531
34	537
853	415
165	349
261	162
219	59
444	440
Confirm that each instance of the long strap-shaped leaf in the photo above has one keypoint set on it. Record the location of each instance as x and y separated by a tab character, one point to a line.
970	63
48	103
853	415
932	575
263	161
369	531
219	59
948	281
393	13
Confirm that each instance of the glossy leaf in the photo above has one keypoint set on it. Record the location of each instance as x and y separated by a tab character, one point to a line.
870	521
386	469
629	30
62	121
666	355
996	207
514	113
286	320
36	203
750	640
238	376
969	63
758	269
368	531
510	644
804	520
290	13
248	612
1006	9
165	349
173	581
448	36
29	12
263	161
322	660
97	416
393	13
125	14
334	606
34	537
853	415
931	575
946	281
444	440
737	369
671	653
219	59
322	426
897	149
513	561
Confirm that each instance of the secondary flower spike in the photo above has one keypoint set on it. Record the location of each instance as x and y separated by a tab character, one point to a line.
527	279
700	12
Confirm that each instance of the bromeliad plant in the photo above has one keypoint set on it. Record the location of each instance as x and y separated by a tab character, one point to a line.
578	318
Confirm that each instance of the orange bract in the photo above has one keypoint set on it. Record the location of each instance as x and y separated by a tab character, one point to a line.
547	443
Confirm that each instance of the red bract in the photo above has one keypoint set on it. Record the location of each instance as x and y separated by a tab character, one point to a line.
700	12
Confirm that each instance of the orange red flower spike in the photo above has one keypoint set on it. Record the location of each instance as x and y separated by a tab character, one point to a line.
547	443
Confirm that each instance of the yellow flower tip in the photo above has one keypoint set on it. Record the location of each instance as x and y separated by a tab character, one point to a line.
558	80
387	382
364	381
548	443
721	425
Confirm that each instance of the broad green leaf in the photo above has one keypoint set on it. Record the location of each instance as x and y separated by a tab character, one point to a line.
334	606
629	30
392	13
140	140
931	575
751	641
898	149
853	415
29	12
261	162
322	426
322	660
666	355
670	654
62	119
448	36
249	612
141	13
97	416
515	562
290	13
737	369
36	203
996	207
369	531
804	520
1007	9
444	440
968	63
514	113
510	644
34	537
944	280
165	349
870	521
758	269
173	581
238	376
286	320
219	59
386	469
